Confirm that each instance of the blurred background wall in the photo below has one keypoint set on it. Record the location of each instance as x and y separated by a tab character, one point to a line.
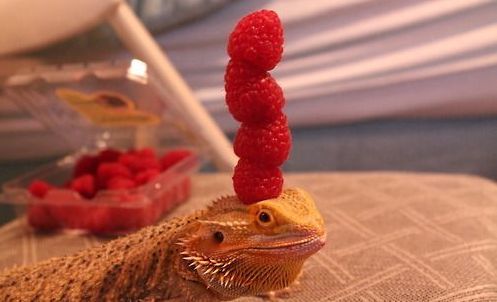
390	85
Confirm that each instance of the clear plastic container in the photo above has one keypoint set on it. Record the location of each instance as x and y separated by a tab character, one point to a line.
149	120
111	84
109	211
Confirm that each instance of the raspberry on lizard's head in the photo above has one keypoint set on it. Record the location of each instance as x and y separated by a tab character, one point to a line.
254	182
256	100
257	39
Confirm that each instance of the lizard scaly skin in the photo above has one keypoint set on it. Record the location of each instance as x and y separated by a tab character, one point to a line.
223	252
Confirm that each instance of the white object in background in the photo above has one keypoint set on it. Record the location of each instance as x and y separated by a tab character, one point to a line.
32	24
28	25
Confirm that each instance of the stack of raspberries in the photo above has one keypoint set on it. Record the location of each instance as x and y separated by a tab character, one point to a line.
255	99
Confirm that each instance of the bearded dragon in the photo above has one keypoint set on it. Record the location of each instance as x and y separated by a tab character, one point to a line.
223	252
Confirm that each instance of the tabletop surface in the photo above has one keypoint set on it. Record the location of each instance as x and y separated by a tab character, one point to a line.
391	236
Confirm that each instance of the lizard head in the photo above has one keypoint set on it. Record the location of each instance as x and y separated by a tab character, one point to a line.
236	249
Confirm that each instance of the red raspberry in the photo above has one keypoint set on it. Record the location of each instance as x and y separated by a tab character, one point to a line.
128	159
106	171
125	219
145	163
39	188
254	183
257	39
137	163
65	209
86	164
146	152
39	217
109	155
98	220
69	210
239	72
85	185
173	157
120	183
256	101
267	144
146	176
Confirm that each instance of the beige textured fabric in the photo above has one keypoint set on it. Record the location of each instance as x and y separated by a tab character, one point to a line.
392	237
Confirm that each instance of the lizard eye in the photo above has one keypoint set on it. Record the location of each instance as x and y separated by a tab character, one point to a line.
264	218
219	236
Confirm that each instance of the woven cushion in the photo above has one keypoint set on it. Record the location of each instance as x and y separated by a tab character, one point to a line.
392	237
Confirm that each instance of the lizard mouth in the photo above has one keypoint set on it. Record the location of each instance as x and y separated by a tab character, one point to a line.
310	244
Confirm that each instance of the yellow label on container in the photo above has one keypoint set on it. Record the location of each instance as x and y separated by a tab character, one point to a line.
107	108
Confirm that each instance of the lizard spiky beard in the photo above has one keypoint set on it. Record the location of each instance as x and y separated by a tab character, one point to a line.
249	250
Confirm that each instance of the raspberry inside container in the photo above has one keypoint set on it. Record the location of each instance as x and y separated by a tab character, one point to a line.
109	211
